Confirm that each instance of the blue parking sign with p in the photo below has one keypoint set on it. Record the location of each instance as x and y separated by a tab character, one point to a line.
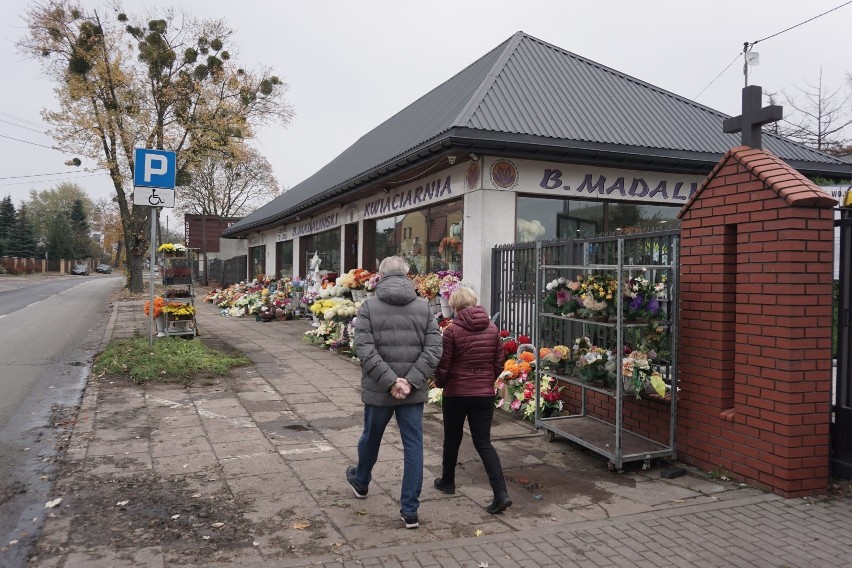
154	168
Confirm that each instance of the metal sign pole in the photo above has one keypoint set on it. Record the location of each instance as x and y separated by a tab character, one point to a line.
153	258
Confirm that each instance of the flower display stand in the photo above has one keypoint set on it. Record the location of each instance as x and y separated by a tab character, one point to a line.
599	430
177	279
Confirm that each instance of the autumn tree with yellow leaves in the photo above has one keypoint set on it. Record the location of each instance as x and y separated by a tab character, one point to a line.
168	83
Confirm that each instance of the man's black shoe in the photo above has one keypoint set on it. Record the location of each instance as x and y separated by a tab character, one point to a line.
360	492
443	487
411	521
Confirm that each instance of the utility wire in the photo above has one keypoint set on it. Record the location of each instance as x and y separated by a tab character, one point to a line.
52	180
717	76
28	142
752	44
802	23
19	119
41	175
25	127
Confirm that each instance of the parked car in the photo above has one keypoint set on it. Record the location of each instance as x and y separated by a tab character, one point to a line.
104	269
80	269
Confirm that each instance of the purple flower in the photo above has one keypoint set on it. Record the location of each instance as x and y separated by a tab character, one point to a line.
653	306
637	303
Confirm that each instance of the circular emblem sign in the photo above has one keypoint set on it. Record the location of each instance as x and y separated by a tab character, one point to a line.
472	175
504	174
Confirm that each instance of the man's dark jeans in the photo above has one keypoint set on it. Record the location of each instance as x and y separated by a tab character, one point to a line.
409	418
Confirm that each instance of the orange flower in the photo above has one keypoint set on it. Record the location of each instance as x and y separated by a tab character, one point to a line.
158	306
525	367
527	357
512	366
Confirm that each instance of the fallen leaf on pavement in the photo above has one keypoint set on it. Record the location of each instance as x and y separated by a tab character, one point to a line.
479	532
205	537
301	526
482	565
52	504
175	517
361	512
122	503
217	525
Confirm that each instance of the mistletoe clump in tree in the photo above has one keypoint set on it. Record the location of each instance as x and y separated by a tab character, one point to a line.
172	86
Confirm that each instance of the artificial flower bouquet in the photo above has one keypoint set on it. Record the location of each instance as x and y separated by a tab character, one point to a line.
593	364
427	285
179	310
639	374
172	249
555	359
158	306
448	284
642	298
370	284
561	296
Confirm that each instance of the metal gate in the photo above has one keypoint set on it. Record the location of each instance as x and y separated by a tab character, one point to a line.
841	412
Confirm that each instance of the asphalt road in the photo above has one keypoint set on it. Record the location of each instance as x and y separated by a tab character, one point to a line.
49	331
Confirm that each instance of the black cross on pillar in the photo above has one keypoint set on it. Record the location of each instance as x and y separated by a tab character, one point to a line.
753	117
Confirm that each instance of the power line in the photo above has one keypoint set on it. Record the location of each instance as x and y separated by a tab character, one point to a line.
802	23
19	119
33	182
752	44
717	76
42	175
28	142
9	122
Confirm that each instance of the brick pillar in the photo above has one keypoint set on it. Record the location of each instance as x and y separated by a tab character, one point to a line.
756	310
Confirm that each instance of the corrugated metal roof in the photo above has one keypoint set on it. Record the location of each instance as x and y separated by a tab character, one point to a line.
528	87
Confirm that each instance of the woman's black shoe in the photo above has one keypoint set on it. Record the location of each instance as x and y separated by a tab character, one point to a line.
500	503
448	488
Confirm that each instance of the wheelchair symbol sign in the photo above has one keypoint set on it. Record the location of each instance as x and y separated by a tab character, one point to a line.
153	197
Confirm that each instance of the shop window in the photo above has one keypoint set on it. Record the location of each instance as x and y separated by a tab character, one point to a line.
258	261
327	246
428	239
540	218
284	259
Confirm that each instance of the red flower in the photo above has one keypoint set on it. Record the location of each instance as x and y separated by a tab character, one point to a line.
510	347
524	339
504	334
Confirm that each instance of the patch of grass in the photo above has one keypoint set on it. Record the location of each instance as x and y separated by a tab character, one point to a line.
171	359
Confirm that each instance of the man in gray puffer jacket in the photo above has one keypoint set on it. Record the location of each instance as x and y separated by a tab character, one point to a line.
399	344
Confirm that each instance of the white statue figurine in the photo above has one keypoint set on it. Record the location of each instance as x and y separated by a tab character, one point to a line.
315	276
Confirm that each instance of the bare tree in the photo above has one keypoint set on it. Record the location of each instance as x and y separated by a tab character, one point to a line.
229	187
821	118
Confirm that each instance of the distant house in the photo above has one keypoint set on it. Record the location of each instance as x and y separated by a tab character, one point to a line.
528	142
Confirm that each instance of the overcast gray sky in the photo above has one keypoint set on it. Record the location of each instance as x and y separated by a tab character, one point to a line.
352	64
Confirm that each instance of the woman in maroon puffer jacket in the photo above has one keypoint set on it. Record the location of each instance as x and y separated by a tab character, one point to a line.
472	359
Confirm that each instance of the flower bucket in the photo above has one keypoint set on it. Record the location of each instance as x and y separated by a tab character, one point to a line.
446	310
161	326
370	293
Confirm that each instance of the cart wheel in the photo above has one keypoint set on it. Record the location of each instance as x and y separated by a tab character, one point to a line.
550	436
611	466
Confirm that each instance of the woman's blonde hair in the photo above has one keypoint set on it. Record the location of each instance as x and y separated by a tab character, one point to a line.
461	298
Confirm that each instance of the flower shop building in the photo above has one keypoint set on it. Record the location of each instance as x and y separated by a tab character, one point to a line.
528	142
